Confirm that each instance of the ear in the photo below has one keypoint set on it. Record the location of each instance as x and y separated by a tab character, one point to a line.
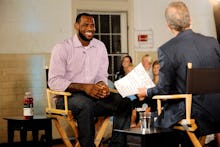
174	32
168	27
76	26
190	23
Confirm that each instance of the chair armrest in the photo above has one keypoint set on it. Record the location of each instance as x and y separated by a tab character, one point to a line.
187	97
59	92
114	90
65	96
172	96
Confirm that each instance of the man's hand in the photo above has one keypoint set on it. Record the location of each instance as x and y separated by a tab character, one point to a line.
105	91
92	90
99	90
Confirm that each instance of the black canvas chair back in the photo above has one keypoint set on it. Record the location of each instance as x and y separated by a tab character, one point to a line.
203	80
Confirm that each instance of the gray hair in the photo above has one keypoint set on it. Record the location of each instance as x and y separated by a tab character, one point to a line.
177	16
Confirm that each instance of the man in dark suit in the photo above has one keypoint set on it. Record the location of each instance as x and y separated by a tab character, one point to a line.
186	46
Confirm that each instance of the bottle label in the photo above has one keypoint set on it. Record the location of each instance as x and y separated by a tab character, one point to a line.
28	112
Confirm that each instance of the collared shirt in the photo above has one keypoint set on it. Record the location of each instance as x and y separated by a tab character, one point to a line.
73	63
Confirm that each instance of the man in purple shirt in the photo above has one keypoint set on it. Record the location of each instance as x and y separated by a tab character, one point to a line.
79	65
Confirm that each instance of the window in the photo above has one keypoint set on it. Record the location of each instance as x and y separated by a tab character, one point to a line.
111	28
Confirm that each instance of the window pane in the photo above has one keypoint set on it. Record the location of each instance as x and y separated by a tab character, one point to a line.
96	23
110	65
116	44
96	36
117	59
106	40
116	24
104	19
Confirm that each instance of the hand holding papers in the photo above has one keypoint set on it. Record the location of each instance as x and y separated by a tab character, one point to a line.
137	78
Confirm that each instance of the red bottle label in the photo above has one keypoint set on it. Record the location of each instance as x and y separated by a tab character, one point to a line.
28	108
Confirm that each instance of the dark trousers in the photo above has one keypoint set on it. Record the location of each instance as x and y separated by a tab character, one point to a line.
85	109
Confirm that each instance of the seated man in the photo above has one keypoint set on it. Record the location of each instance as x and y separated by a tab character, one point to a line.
186	46
79	65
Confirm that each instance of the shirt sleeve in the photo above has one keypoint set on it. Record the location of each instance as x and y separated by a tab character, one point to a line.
166	74
56	77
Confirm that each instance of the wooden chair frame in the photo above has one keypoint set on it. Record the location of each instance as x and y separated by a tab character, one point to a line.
188	124
66	114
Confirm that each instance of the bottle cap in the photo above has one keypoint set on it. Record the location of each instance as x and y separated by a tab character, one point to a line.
28	93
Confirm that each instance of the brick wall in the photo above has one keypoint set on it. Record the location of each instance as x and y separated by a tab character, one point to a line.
20	73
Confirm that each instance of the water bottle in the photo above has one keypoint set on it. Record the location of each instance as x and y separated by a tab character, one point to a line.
28	111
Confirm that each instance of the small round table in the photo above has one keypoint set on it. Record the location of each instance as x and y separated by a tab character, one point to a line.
23	125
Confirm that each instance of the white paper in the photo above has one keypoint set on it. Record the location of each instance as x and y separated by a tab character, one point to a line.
137	78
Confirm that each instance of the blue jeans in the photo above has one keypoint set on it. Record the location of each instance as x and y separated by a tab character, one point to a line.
86	108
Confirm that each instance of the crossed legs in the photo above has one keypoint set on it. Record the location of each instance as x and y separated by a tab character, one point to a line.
85	109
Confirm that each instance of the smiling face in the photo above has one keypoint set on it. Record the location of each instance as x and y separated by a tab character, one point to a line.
146	61
126	62
86	29
156	69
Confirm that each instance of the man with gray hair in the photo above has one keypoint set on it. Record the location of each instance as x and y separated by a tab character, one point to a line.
186	46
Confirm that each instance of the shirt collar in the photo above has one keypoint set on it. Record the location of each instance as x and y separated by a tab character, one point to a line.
77	42
188	31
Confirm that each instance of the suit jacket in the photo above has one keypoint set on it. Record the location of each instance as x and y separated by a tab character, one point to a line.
173	57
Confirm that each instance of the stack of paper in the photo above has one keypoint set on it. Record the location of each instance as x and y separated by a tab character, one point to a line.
137	78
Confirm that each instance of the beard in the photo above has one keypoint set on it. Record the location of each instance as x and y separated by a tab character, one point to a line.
83	37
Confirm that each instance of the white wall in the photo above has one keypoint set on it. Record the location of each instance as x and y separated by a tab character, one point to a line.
150	15
33	26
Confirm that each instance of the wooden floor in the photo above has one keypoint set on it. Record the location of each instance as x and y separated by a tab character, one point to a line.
63	145
55	143
59	145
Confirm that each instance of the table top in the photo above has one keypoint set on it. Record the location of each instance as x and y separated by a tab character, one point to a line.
138	131
36	117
